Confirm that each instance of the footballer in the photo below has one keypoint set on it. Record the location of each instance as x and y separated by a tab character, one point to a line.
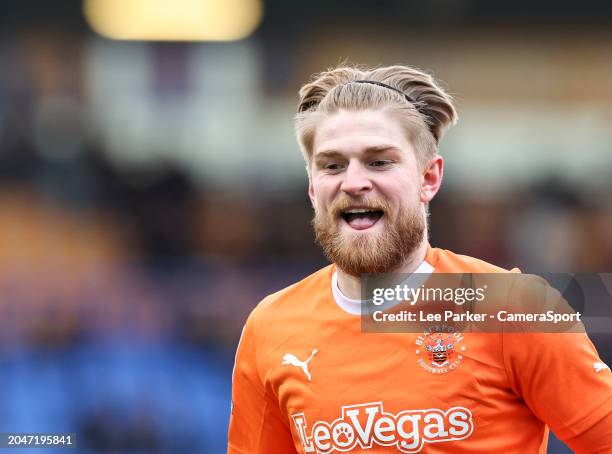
307	379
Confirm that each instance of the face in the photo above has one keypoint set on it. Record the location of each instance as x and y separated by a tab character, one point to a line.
368	191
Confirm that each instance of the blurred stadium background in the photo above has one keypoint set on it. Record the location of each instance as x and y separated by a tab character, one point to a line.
151	192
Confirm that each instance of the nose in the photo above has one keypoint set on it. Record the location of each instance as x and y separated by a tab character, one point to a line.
356	181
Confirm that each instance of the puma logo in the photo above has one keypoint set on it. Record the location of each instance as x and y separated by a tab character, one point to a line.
599	366
292	360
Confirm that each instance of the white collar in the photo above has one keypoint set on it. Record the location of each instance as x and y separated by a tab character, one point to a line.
353	306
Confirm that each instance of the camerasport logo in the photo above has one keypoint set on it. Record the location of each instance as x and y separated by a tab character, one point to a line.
440	351
365	425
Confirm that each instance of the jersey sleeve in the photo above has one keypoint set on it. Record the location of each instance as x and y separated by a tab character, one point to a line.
563	381
257	425
596	440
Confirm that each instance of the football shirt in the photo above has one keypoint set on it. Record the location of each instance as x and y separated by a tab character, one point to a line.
308	380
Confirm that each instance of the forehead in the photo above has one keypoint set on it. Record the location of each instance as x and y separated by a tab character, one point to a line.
346	131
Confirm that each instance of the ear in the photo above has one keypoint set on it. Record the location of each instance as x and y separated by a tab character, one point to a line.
311	192
432	178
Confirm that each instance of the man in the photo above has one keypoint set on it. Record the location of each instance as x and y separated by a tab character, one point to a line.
308	379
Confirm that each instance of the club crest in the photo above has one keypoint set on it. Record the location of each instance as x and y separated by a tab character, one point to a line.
440	350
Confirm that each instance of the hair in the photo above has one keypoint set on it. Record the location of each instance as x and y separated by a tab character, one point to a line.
425	109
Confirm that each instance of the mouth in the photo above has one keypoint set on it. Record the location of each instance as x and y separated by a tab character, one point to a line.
362	218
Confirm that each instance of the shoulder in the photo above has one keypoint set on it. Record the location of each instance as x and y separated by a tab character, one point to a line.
528	292
450	262
287	314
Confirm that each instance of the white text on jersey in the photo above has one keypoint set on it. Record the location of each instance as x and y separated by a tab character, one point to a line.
365	425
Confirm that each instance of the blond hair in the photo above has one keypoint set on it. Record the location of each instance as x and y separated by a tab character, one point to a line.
423	107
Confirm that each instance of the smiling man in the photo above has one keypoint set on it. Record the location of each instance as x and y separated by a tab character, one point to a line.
307	379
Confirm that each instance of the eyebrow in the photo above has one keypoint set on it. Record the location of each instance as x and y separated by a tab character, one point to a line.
368	151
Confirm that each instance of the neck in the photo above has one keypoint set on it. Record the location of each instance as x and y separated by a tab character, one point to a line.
350	285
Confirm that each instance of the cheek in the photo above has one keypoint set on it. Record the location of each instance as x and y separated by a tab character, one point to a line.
398	191
322	192
319	201
401	199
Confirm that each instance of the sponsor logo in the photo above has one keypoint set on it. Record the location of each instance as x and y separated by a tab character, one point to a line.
599	366
364	425
439	350
292	360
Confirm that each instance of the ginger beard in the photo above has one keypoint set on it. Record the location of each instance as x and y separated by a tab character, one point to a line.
358	252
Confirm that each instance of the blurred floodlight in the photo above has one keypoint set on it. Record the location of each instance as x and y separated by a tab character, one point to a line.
174	20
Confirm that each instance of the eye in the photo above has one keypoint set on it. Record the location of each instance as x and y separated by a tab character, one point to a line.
333	166
380	163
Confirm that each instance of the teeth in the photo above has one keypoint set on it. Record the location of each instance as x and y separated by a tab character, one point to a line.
358	210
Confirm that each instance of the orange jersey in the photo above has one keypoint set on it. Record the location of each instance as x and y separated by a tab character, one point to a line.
308	380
